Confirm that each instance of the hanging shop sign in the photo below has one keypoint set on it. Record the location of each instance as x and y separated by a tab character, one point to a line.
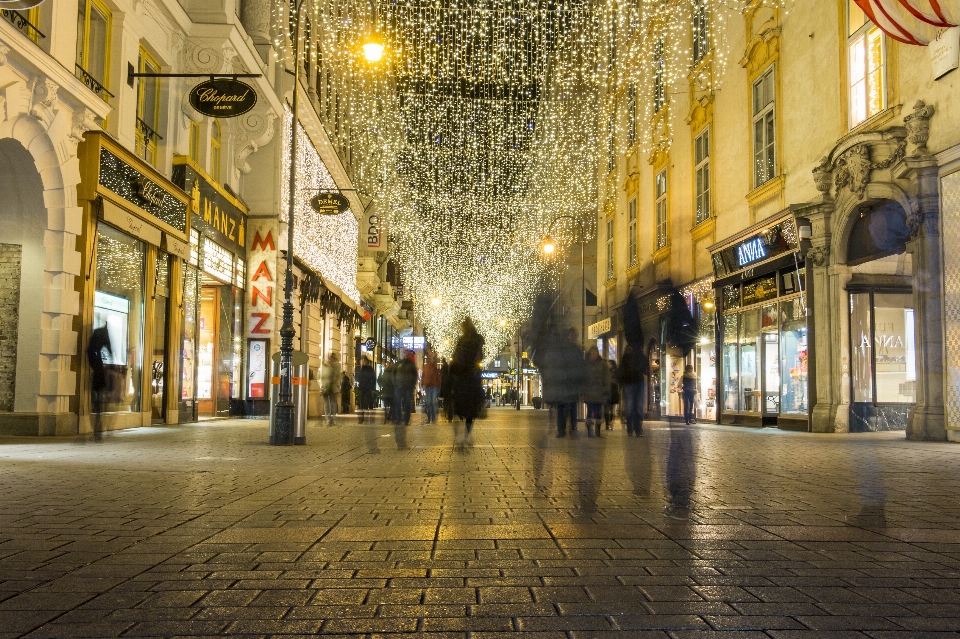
374	231
768	243
329	203
130	223
370	344
261	275
217	214
945	52
223	98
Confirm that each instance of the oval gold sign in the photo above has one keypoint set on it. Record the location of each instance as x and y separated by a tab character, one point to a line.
223	98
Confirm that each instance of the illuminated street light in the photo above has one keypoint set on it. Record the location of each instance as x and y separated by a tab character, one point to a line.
373	49
436	302
549	245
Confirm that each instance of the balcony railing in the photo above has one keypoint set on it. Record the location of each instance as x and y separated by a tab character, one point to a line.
21	22
93	84
148	134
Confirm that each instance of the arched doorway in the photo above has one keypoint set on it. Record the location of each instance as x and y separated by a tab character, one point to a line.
23	218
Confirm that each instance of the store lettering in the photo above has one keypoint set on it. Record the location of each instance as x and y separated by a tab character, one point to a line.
220	220
751	251
373	231
263	243
256	293
262	266
882	341
263	317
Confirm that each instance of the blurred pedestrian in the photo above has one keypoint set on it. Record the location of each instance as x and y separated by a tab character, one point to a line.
466	389
446	384
610	408
681	472
689	392
345	388
330	373
366	386
405	383
562	374
632	375
387	385
430	382
99	342
596	390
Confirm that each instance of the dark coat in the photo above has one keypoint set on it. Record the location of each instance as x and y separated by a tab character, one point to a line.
406	374
99	341
366	379
446	380
596	388
387	382
466	387
562	371
633	368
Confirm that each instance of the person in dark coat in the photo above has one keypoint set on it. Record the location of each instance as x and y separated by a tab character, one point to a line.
689	393
405	382
562	374
466	387
610	408
345	388
367	383
632	374
596	390
99	342
387	388
446	384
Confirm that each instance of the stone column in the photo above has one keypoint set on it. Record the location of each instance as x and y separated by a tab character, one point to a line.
255	19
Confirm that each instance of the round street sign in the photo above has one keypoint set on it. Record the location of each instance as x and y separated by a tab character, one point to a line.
329	203
370	343
223	98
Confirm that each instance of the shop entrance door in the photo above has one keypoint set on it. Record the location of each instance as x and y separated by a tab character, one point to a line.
771	377
214	353
158	371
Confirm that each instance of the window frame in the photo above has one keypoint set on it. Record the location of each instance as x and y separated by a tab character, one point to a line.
701	33
146	146
862	34
216	143
83	52
632	231
701	176
194	150
661	209
766	115
610	247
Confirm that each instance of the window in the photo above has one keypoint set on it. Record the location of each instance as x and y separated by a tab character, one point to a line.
215	140
764	124
661	204
866	59
93	45
631	115
701	43
610	249
195	141
611	143
148	109
701	159
659	70
883	351
632	228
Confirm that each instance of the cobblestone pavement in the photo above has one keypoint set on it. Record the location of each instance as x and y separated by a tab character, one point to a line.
204	529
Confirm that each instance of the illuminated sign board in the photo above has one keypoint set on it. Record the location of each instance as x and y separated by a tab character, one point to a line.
751	251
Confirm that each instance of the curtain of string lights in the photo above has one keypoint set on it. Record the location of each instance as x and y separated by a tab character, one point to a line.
484	123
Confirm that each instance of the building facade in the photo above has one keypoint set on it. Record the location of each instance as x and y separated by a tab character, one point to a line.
794	184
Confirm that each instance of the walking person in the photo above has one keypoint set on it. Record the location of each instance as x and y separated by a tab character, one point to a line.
366	386
330	374
689	391
430	382
631	374
446	384
345	388
386	382
562	373
99	342
596	390
405	383
610	408
466	386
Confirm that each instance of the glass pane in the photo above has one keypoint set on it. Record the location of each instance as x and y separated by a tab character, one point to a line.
749	364
771	155
731	385
97	46
158	363
861	348
118	318
731	297
855	19
793	357
758	146
771	372
874	67
189	352
225	350
81	32
894	348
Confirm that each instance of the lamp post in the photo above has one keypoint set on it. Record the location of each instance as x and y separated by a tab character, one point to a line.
549	246
283	415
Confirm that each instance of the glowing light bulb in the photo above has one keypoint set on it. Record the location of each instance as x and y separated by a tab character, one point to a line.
373	50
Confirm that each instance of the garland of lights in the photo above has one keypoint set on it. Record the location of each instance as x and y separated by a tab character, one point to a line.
484	124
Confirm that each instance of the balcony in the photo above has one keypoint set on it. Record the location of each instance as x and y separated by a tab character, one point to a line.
93	84
22	24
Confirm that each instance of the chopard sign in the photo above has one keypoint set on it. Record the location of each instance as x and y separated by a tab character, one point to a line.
223	98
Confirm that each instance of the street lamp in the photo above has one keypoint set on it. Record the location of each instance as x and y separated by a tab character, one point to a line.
283	419
549	246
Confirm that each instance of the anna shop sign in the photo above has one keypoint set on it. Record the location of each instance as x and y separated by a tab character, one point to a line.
223	98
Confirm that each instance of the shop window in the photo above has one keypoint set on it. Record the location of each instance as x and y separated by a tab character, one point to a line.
216	136
701	155
731	380
118	310
610	270
158	362
731	297
188	353
701	42
195	142
866	61
760	290
632	232
882	348
659	76
764	127
148	109
93	45
661	208
750	344
793	357
631	115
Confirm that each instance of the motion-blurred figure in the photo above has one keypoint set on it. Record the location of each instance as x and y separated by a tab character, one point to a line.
345	388
366	385
446	387
329	385
562	373
610	408
681	472
386	382
405	382
689	393
99	342
596	390
633	369
430	382
466	388
870	486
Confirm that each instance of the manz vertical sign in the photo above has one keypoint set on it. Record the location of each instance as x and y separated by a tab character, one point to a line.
223	98
262	270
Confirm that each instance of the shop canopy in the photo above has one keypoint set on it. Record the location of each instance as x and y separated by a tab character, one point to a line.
914	22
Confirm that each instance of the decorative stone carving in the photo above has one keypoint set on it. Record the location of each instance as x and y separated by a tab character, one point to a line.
819	255
253	130
45	100
4	50
822	176
853	170
915	221
918	127
83	120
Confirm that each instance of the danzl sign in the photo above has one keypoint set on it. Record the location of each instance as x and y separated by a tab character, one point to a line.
223	98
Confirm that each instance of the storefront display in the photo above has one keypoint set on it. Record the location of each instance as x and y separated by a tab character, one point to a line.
158	368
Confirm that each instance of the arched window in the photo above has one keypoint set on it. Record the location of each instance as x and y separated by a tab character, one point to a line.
215	137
